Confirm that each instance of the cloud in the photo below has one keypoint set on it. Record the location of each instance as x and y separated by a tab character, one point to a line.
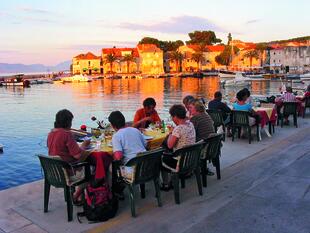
36	11
178	25
252	21
97	47
9	52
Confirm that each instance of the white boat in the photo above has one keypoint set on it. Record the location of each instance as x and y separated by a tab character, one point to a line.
240	80
305	77
224	74
77	78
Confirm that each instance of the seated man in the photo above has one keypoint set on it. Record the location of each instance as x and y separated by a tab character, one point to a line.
217	104
288	96
127	142
146	115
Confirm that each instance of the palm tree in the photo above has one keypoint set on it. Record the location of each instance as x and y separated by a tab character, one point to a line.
110	58
178	58
251	54
128	58
199	58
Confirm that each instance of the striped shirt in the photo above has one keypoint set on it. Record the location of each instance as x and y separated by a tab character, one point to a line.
203	124
288	97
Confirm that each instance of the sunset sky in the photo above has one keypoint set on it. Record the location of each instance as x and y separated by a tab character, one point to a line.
52	31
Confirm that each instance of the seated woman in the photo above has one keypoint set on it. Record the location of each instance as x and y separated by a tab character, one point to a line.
307	93
242	105
60	142
183	134
146	115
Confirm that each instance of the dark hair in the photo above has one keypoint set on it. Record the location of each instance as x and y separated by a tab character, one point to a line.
217	95
241	94
63	119
178	110
308	88
117	119
149	102
188	99
289	89
247	92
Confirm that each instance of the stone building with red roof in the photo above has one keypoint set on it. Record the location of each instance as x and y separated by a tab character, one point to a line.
127	60
151	59
87	64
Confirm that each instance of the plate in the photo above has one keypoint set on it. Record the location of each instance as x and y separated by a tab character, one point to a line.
146	137
109	145
86	138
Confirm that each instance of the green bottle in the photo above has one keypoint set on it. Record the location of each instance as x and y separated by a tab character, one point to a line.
163	126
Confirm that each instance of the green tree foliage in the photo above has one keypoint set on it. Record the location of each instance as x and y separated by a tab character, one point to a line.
225	57
110	58
198	58
251	54
164	45
128	58
203	37
178	58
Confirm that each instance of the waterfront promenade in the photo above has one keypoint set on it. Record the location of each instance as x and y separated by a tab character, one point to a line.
265	187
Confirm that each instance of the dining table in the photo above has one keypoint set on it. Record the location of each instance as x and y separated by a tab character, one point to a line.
268	116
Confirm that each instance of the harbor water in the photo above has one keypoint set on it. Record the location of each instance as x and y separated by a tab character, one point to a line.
27	114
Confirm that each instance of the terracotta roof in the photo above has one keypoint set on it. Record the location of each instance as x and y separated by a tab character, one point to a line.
148	48
87	56
118	51
215	48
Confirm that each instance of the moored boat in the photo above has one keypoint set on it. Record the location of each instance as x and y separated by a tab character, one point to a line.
77	78
17	81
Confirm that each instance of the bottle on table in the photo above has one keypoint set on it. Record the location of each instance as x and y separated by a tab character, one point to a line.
163	126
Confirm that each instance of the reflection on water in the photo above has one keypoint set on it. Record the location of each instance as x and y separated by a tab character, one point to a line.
27	115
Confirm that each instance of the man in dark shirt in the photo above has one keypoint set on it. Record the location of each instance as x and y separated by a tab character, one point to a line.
217	104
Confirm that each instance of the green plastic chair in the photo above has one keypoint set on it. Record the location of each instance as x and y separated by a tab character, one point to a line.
217	117
189	157
289	108
307	105
241	119
211	151
56	174
146	168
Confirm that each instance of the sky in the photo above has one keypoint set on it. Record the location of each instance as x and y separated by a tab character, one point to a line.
52	31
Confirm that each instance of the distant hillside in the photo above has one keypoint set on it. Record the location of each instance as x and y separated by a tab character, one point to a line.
22	68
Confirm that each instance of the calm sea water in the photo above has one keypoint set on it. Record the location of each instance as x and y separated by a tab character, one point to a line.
27	115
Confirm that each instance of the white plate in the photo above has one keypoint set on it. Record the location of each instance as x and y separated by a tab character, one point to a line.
110	145
146	137
86	138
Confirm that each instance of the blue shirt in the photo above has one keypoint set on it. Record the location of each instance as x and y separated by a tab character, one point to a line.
244	107
130	141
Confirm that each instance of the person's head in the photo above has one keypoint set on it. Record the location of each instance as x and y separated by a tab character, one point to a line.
196	107
63	119
177	113
117	120
289	89
187	99
149	105
218	95
246	90
242	95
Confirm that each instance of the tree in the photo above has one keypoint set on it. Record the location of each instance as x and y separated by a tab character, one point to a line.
261	48
110	58
163	45
149	40
251	54
178	58
225	57
206	37
229	38
128	58
199	58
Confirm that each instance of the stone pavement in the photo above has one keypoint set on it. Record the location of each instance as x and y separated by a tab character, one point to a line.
264	188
